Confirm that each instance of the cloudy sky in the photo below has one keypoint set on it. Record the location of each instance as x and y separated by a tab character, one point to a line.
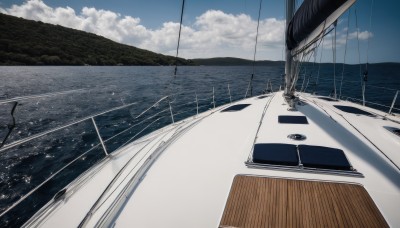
216	28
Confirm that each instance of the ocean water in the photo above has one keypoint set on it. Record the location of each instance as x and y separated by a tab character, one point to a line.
88	91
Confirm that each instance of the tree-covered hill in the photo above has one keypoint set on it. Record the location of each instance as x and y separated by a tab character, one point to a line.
26	42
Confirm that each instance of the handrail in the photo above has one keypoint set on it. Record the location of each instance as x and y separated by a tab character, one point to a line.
39	96
363	89
27	139
155	104
136	124
360	100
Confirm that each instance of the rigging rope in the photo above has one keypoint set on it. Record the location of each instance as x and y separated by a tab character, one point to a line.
255	50
319	65
10	126
305	69
168	87
334	60
179	38
345	52
358	42
315	51
363	78
297	68
370	22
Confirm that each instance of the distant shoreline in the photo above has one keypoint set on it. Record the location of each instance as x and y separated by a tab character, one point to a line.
204	62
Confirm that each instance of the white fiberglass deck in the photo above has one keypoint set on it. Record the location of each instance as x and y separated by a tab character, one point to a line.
188	184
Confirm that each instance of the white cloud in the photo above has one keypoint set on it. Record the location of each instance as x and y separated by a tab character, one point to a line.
102	22
214	33
341	37
361	35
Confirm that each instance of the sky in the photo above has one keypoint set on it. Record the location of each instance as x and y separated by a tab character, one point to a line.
219	28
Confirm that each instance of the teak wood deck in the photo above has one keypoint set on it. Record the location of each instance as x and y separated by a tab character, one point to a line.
272	202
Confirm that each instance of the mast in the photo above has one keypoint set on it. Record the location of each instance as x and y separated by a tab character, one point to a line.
290	4
304	28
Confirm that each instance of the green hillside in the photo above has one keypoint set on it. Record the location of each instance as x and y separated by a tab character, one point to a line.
26	42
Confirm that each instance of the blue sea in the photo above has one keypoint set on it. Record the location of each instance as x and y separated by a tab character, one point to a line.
73	93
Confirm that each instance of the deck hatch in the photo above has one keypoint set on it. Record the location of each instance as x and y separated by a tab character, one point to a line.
323	157
301	158
276	154
394	130
277	202
327	99
235	108
354	110
292	120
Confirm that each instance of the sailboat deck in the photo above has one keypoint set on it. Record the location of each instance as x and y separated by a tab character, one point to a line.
272	202
182	176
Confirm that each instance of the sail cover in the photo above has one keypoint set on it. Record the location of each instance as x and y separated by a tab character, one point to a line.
311	15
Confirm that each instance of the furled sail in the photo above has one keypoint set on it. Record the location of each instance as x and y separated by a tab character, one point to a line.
311	19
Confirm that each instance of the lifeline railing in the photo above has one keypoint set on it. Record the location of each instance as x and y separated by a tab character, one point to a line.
200	104
390	108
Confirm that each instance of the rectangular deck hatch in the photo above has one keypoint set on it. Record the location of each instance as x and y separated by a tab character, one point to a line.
292	120
275	154
354	110
235	108
327	99
302	158
277	202
323	157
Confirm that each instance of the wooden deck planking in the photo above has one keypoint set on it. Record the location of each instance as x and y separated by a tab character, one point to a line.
272	202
